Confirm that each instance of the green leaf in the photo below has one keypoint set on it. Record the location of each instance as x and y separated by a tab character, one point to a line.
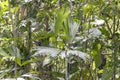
62	14
27	62
41	35
105	32
96	54
3	53
14	51
107	73
57	74
18	61
97	58
87	8
66	30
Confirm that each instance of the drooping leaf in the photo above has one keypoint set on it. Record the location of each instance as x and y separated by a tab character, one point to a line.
54	51
94	33
98	22
29	75
46	61
14	79
76	53
47	51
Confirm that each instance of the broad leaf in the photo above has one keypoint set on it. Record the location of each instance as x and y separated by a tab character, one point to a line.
96	54
94	33
73	28
54	51
97	58
29	75
98	22
14	79
76	53
47	51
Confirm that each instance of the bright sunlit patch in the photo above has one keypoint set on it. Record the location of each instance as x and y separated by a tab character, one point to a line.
98	22
71	0
28	0
94	33
76	53
15	79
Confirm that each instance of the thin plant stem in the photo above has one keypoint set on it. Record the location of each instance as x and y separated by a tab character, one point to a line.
114	63
60	3
114	43
70	8
66	72
114	49
14	36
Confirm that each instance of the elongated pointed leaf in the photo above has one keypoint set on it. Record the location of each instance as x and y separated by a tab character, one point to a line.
54	51
94	33
97	58
73	30
76	53
14	79
29	75
3	53
18	61
61	16
47	51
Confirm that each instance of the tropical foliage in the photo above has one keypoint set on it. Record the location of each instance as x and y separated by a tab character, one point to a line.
60	39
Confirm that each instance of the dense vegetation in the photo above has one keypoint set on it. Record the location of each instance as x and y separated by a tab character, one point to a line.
60	39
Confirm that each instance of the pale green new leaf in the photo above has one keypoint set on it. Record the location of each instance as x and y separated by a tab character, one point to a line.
27	62
62	14
97	58
18	61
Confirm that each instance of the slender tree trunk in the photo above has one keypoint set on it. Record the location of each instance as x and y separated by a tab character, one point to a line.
14	34
29	43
